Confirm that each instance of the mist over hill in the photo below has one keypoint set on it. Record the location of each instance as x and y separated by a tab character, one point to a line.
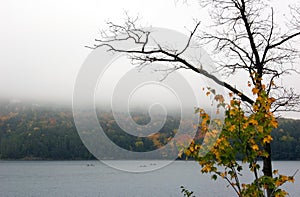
41	131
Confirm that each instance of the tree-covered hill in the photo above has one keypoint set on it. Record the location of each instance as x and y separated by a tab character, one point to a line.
36	132
286	143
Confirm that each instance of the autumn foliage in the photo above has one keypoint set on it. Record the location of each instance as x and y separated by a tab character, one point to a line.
244	135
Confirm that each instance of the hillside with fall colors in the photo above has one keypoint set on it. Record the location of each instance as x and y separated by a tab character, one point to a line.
37	132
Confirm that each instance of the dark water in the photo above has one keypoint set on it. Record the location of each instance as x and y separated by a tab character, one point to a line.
79	178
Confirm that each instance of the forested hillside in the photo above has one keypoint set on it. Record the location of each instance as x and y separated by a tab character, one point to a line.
286	143
36	132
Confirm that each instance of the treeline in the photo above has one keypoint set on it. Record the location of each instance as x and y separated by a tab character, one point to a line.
35	132
286	143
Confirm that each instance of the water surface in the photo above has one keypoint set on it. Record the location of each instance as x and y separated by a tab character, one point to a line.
94	179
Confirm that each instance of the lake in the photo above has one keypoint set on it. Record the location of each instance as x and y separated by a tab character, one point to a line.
95	179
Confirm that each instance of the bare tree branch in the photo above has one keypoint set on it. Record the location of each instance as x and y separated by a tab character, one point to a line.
245	38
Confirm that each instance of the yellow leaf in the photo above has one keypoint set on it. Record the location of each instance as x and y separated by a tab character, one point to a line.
245	125
244	186
274	123
255	108
223	174
271	100
291	179
180	154
260	128
253	122
255	147
278	183
255	90
232	128
187	152
219	98
284	178
192	149
206	168
267	139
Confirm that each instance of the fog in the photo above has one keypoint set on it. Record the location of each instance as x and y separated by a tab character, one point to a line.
42	42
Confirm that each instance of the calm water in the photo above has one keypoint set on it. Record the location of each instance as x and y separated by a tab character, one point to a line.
76	178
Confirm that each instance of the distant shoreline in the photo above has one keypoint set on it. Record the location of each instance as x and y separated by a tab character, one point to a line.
81	159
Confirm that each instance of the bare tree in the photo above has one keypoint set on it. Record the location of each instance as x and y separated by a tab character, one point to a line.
244	35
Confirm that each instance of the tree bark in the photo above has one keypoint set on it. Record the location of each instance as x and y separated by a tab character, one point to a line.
267	168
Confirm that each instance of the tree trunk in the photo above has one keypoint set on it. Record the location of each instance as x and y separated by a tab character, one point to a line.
267	168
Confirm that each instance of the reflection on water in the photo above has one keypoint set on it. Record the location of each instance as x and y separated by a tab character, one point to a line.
92	178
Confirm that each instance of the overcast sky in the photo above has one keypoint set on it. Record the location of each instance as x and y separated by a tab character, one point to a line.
42	42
